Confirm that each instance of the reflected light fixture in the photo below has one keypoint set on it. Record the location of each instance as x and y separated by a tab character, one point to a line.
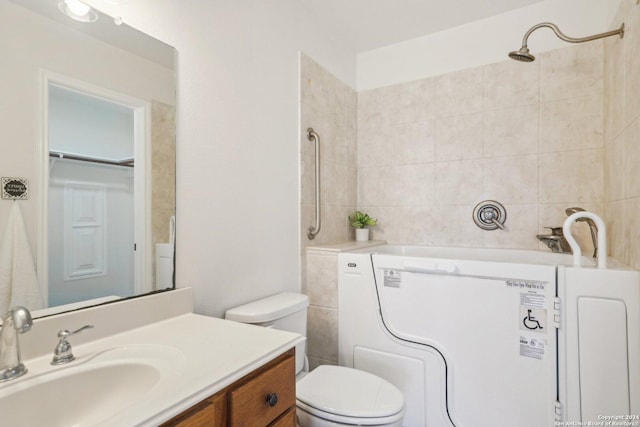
75	9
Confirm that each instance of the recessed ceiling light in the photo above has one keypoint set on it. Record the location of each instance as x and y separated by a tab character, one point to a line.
77	10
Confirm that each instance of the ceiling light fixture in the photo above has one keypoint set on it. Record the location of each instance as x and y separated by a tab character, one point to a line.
75	9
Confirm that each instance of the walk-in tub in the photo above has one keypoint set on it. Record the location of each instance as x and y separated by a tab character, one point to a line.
491	337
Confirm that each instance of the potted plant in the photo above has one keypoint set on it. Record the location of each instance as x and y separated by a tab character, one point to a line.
360	220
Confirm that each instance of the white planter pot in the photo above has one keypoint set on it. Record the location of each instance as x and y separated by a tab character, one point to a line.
362	234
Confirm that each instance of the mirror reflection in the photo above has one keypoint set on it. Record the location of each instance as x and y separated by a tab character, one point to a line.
89	126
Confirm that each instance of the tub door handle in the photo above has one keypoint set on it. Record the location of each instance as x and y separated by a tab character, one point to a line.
431	267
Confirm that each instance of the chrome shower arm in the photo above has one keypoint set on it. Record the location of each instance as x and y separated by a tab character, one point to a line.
562	36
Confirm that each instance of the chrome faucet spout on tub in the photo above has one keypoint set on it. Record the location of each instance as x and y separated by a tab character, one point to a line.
555	241
16	320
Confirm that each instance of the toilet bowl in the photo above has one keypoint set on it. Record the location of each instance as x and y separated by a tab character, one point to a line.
341	396
328	395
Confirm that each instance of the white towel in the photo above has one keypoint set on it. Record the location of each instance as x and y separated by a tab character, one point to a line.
18	278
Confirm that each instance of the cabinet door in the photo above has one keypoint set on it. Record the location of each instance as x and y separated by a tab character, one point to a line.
264	398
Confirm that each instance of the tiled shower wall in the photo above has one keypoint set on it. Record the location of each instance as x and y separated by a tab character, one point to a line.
529	135
329	107
622	137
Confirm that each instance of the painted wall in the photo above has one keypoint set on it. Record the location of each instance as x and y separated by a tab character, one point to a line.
238	197
622	137
482	42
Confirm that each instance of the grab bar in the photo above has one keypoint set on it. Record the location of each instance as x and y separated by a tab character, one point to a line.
313	231
575	247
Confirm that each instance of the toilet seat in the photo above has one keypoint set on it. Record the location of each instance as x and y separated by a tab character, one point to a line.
349	396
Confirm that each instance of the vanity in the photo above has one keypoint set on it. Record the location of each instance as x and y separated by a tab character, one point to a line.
158	365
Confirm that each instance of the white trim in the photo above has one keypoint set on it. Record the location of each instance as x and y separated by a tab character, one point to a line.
142	190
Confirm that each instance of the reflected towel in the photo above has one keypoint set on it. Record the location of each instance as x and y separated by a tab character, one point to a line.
18	278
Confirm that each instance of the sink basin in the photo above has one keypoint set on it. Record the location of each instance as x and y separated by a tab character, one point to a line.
92	389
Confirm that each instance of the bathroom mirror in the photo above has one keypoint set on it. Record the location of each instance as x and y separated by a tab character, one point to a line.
88	122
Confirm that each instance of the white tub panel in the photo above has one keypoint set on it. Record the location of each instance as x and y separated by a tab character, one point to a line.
406	373
604	365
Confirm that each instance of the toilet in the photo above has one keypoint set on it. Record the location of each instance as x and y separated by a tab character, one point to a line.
328	396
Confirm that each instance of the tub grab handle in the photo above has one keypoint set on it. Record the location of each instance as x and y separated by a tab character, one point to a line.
431	267
312	136
575	248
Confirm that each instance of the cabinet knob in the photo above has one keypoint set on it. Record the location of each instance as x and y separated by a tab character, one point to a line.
272	399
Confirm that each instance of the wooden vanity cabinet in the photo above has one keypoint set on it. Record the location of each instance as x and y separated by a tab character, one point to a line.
265	397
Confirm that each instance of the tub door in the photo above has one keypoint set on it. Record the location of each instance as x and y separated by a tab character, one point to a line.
493	325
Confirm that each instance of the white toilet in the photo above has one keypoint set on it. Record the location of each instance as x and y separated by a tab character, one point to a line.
329	396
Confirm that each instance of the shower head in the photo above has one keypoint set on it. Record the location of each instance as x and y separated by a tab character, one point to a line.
523	54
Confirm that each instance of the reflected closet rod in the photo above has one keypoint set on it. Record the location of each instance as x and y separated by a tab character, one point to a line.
124	162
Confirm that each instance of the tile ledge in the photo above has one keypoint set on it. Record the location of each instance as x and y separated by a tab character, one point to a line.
343	246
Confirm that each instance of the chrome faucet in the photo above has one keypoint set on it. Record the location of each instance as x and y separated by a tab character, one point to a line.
555	241
592	227
62	353
17	320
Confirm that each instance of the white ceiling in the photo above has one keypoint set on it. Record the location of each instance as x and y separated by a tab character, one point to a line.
370	24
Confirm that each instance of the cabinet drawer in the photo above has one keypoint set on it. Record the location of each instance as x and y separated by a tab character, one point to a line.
287	420
210	412
248	403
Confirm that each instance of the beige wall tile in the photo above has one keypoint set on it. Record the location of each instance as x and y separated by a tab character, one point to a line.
632	64
519	230
459	183
322	280
459	92
414	101
510	84
415	225
375	144
631	165
512	180
572	175
572	124
415	184
376	186
314	362
632	232
614	85
459	137
571	72
614	168
414	142
511	131
454	226
614	218
322	333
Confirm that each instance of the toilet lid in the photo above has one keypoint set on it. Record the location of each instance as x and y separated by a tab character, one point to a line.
349	392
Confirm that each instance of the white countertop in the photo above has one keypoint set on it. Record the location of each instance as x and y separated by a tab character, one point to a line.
211	354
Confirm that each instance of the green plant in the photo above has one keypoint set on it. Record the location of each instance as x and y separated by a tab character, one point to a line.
361	220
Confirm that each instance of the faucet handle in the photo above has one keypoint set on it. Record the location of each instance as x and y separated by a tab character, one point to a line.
62	353
555	231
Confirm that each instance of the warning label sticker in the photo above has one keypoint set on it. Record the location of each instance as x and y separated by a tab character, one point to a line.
392	278
532	299
532	347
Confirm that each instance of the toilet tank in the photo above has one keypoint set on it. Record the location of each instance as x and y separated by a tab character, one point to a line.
286	311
